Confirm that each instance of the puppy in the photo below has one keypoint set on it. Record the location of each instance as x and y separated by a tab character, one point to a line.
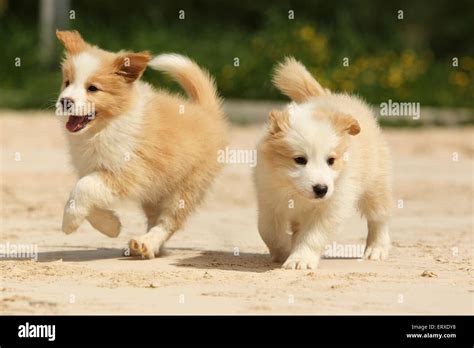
321	156
130	141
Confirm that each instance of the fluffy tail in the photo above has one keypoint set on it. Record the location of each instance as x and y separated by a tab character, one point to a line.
197	83
293	80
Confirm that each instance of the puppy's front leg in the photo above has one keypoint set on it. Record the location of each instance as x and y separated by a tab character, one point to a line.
91	191
378	240
307	248
105	221
273	230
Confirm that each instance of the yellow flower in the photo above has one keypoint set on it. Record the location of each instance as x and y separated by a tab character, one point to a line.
362	63
467	63
459	79
408	58
306	33
395	77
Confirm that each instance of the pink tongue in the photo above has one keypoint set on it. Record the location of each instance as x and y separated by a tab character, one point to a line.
76	123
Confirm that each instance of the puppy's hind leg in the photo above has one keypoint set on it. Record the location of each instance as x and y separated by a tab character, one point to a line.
378	240
152	211
176	209
376	207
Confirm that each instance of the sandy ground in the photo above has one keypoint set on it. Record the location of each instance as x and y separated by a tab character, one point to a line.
429	271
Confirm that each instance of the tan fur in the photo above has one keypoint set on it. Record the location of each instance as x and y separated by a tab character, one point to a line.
146	145
131	65
72	41
361	171
198	84
293	80
278	121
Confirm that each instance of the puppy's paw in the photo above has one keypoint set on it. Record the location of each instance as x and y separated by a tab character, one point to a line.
298	262
142	247
71	221
376	252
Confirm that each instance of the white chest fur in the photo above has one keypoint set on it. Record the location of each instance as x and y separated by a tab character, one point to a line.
114	146
111	148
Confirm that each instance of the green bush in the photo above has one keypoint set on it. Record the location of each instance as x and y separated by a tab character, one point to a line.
405	60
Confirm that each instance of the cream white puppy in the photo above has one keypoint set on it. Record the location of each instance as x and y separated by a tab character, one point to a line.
321	157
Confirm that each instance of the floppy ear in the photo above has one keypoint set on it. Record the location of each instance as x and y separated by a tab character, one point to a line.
277	121
346	123
72	41
132	65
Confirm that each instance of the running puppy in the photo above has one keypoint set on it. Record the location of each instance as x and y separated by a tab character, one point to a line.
322	155
130	141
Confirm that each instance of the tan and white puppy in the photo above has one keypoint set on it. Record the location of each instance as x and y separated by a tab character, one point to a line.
321	157
130	141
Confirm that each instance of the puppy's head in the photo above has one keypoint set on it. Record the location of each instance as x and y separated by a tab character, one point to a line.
306	146
97	85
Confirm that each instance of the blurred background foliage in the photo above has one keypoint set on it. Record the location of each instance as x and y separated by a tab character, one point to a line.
403	60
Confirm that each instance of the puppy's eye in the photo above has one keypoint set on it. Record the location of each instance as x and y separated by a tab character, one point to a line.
66	83
300	160
92	88
330	161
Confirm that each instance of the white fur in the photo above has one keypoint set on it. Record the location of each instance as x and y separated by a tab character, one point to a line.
167	60
313	140
112	147
85	65
90	191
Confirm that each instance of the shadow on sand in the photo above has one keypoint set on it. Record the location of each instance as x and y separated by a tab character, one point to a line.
221	260
181	257
80	254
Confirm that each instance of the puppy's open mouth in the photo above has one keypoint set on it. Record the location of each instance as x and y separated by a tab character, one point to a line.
76	123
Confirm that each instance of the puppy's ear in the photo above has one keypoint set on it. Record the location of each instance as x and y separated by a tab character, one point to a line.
131	65
346	124
277	121
72	41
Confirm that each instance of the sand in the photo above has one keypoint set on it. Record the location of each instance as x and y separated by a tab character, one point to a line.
218	263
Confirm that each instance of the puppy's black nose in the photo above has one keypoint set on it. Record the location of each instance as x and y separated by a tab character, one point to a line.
66	103
320	190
